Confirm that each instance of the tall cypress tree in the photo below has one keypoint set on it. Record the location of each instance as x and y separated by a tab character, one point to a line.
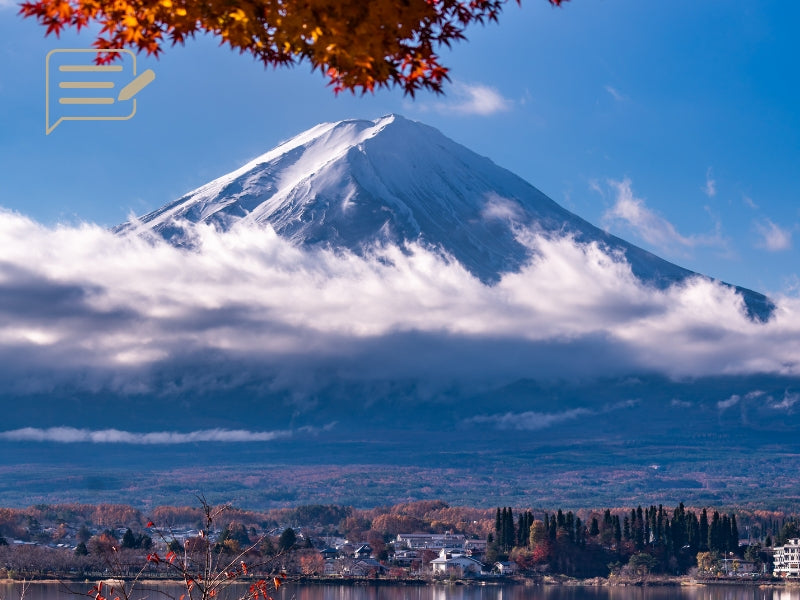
734	535
704	533
569	525
509	530
725	533
714	538
594	527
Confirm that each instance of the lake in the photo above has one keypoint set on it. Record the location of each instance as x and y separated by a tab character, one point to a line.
52	591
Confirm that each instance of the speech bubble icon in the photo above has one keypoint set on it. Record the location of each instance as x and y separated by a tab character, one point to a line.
79	89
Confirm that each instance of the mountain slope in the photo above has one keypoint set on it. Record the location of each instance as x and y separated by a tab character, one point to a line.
357	182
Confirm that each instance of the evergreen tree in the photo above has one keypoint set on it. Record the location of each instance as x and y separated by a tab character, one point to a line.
83	534
524	528
287	540
580	532
508	531
594	528
128	539
715	543
81	549
704	533
569	525
638	528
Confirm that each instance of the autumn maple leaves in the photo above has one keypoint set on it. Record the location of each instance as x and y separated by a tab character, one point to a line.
358	45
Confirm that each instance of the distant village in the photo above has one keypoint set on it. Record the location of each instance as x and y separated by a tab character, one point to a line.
422	541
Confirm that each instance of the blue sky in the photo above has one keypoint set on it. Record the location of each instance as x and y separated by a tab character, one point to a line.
672	124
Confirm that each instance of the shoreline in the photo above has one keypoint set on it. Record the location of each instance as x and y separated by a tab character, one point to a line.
614	581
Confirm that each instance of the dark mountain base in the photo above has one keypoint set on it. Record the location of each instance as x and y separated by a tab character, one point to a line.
717	441
513	469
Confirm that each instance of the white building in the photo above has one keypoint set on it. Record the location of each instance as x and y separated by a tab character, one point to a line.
431	541
787	559
450	563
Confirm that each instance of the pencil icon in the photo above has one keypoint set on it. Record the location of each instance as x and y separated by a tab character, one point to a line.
136	86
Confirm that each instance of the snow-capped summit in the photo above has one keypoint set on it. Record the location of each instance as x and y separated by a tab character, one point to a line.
356	182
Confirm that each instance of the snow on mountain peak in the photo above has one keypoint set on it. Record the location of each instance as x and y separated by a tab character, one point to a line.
356	182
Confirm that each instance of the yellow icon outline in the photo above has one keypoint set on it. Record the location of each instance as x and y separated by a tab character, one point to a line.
127	92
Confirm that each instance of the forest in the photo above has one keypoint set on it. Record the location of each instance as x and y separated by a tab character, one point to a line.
639	541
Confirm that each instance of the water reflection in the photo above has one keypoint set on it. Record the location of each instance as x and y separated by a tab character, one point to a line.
77	591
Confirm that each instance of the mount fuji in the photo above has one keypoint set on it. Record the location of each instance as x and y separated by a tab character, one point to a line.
372	313
358	183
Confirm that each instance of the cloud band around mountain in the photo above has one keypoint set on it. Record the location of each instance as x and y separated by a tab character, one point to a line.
86	310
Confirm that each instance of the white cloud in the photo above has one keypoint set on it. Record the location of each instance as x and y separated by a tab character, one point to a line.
728	403
710	188
71	435
530	420
473	99
773	237
501	209
533	420
631	213
789	400
749	202
619	97
83	308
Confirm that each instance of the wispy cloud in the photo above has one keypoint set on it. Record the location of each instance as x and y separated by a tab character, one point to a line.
729	402
788	401
473	99
773	237
501	209
71	435
632	214
529	420
615	93
533	420
710	187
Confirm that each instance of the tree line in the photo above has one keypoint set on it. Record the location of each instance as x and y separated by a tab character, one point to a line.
653	540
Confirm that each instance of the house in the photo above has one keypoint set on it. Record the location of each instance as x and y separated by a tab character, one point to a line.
456	564
367	567
330	567
505	568
329	553
475	548
363	551
406	557
786	559
432	541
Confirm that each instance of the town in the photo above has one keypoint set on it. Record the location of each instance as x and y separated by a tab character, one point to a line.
419	541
